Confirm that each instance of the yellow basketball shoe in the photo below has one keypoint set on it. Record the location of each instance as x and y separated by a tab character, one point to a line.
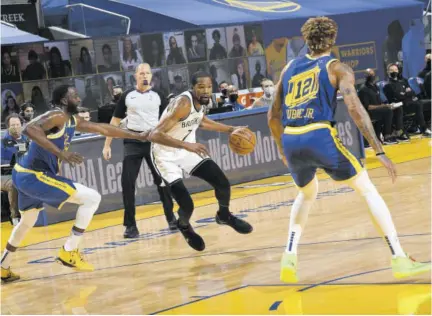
8	276
406	266
73	259
288	273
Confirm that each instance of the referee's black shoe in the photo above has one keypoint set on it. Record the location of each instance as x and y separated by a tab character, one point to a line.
131	232
236	223
193	239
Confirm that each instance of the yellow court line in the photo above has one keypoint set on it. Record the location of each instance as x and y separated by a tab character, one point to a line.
417	149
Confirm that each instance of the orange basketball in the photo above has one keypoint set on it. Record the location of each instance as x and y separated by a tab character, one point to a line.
242	141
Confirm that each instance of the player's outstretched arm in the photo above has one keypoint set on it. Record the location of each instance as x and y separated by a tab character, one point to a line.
176	112
274	115
108	130
345	82
210	125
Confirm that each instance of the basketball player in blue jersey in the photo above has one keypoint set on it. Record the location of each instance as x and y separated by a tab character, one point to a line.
301	121
36	177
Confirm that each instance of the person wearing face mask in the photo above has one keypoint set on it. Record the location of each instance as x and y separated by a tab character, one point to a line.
13	146
268	96
141	108
382	114
399	91
27	112
223	89
232	99
422	74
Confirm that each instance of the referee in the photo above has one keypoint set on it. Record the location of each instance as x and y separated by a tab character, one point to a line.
142	108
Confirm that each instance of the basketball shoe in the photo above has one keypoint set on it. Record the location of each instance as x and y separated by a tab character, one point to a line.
236	223
8	276
406	266
288	273
73	259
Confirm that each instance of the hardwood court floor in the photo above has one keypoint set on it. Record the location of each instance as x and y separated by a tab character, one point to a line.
343	263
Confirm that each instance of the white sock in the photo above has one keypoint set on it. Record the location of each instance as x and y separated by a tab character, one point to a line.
28	219
379	211
299	214
89	201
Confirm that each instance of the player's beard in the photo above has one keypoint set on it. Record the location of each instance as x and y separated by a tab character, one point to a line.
204	101
72	109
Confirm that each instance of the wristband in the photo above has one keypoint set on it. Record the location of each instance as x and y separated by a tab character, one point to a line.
380	154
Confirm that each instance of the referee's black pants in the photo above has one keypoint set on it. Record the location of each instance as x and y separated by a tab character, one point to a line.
134	152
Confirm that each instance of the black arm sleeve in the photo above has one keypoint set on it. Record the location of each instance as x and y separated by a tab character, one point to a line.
120	109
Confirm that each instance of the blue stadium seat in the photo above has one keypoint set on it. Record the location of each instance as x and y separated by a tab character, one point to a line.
414	83
381	85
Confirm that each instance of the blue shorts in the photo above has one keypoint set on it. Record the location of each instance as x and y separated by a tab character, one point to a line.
36	187
315	146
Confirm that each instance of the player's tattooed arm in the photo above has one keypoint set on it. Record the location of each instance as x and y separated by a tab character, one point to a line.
108	130
345	81
274	115
38	129
177	111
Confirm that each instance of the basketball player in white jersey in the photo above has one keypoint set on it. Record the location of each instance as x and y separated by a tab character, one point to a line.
175	150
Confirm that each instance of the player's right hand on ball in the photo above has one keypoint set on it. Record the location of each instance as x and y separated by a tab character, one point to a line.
72	158
106	153
197	148
389	165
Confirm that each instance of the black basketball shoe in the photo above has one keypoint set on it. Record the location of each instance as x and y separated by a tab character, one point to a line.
193	239
236	223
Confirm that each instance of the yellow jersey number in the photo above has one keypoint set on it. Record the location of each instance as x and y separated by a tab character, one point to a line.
302	88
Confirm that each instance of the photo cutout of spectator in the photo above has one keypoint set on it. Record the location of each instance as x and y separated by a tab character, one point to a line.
216	43
31	62
83	57
174	48
107	55
11	96
153	50
9	65
89	91
276	57
257	70
392	46
296	47
239	71
58	59
160	82
37	93
219	71
130	80
27	112
130	52
107	84
236	41
254	40
196	45
178	79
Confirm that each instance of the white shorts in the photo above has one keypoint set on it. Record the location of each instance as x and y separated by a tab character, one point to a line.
171	164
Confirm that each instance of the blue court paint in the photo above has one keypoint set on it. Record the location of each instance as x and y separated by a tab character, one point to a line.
275	306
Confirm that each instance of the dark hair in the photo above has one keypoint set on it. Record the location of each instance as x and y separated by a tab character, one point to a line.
32	54
11	116
133	53
197	75
82	109
216	32
222	82
60	93
83	49
320	33
26	105
106	46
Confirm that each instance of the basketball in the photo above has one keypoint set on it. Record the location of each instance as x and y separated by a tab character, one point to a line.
242	141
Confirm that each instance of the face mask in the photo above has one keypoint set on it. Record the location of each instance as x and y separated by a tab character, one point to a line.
269	91
116	97
233	97
370	78
394	75
428	64
224	92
